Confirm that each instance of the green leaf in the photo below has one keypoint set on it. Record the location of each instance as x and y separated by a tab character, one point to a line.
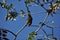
9	7
29	1
32	35
29	38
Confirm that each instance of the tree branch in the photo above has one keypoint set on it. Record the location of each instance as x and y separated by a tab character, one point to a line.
8	31
19	31
41	24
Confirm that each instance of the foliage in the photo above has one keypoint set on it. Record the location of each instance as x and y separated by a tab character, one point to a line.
12	15
3	34
32	35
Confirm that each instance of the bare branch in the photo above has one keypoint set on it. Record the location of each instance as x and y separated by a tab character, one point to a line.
19	31
41	24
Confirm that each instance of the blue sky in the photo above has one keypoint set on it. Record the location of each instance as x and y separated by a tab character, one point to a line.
14	26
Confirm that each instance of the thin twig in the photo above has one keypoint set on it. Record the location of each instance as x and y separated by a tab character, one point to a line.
42	7
19	31
39	13
52	28
45	32
8	31
41	24
11	32
26	6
